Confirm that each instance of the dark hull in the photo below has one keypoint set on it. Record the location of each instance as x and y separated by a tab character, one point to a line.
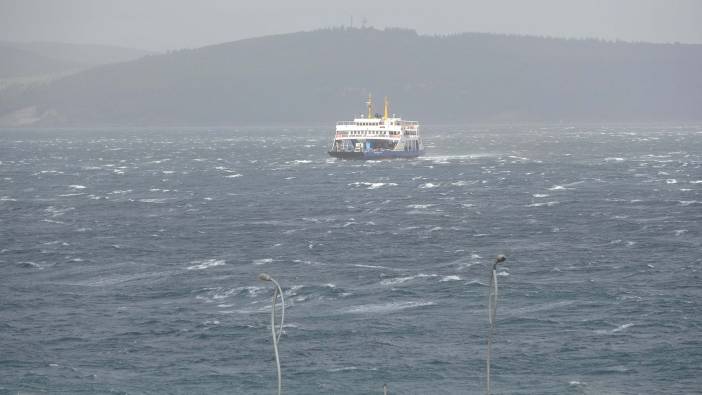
375	154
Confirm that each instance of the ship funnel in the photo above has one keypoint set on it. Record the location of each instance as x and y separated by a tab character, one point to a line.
387	106
370	106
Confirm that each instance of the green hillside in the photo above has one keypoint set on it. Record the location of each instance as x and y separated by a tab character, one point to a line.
325	75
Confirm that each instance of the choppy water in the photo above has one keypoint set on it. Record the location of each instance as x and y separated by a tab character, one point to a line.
129	261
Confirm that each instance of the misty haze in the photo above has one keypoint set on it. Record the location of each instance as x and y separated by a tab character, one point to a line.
446	197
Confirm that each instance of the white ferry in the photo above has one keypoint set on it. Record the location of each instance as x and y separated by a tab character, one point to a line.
377	137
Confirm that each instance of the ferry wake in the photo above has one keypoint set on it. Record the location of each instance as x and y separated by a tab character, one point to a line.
376	137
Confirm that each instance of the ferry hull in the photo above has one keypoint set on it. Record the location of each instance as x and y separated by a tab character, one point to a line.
375	154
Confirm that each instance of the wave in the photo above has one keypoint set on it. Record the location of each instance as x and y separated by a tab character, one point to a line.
400	280
204	264
387	307
372	266
155	201
57	212
548	204
262	261
615	330
372	185
565	187
420	206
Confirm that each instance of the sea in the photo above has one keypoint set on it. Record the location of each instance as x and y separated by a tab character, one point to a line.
129	261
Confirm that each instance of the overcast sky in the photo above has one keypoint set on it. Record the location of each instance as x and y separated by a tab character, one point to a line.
172	24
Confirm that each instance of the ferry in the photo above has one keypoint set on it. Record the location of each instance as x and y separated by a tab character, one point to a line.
376	137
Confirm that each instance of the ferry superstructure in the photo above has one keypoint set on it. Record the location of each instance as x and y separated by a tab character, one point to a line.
376	137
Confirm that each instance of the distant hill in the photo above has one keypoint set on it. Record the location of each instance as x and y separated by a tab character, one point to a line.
325	75
83	54
23	64
20	63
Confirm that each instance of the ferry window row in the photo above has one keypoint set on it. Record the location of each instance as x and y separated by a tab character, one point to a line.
373	132
395	123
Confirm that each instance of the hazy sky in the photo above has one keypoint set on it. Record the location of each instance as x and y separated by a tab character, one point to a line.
173	24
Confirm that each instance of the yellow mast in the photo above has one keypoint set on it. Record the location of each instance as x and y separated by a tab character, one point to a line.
385	115
370	106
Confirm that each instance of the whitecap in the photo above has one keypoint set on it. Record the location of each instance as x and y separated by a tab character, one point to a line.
671	181
387	307
57	212
29	264
680	232
688	202
233	176
549	204
450	278
77	186
373	185
262	261
371	266
615	330
565	187
622	327
400	280
614	159
204	264
376	185
420	206
428	185
344	369
156	201
540	195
